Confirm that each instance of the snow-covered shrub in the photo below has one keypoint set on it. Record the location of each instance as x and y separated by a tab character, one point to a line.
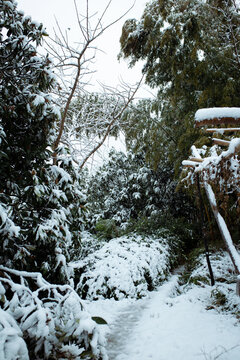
124	267
12	345
45	321
89	244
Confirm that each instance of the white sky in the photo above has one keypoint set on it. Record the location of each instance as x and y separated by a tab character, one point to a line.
109	70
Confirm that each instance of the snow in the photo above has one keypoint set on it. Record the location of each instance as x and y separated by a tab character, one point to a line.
232	148
12	345
7	226
57	111
195	152
212	113
175	321
211	195
180	328
9	4
189	163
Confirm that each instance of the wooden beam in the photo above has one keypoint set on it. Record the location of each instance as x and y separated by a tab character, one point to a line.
234	255
198	160
221	142
188	165
218	121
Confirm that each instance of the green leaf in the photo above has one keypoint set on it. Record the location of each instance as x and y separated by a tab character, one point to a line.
99	320
2	154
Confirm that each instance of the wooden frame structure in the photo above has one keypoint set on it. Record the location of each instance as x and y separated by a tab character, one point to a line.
195	160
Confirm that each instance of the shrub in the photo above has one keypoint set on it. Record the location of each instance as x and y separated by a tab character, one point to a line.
45	321
124	267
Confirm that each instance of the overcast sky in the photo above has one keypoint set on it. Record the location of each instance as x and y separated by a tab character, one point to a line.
109	70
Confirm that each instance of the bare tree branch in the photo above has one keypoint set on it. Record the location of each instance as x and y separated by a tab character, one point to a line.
109	128
70	57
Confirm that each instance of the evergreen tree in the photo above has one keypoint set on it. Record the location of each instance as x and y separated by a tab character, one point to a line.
190	50
39	202
126	189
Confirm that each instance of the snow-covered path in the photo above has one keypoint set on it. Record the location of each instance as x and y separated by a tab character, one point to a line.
122	328
167	327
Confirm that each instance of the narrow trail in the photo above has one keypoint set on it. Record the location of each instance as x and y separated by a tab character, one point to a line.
167	326
124	326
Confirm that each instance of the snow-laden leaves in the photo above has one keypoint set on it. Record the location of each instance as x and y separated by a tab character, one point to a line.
12	345
50	319
125	188
29	206
124	267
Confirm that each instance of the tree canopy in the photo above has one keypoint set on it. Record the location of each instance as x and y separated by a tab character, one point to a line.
190	51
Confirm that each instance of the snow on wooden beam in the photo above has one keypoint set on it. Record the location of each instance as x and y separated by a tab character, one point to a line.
216	116
189	163
195	152
222	130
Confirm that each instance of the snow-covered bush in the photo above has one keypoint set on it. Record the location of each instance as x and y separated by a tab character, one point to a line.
44	321
124	267
12	345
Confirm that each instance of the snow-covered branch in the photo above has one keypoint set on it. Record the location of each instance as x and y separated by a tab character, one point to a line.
43	319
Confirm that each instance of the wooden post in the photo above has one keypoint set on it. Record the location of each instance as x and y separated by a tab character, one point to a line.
234	255
205	240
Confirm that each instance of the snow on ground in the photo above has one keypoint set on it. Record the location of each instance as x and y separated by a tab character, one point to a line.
173	322
180	328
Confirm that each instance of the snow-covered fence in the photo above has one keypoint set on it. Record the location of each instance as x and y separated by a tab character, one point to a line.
42	320
202	167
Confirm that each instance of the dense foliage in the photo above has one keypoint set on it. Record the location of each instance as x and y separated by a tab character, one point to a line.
41	208
190	51
126	189
39	202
